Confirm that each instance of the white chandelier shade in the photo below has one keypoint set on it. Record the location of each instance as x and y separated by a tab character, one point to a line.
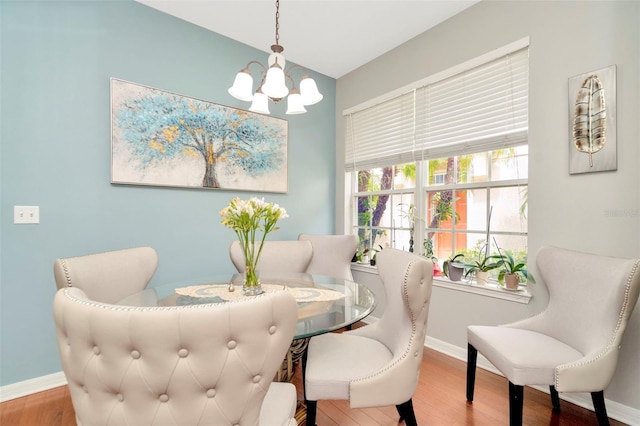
273	83
260	103
242	86
294	103
309	91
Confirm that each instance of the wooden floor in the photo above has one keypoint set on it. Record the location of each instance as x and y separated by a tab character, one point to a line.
439	400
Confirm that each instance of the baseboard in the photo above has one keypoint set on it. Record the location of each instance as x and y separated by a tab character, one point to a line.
615	410
31	386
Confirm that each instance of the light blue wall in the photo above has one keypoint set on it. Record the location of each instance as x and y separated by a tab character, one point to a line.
57	58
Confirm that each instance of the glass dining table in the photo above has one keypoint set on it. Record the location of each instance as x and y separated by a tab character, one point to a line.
325	303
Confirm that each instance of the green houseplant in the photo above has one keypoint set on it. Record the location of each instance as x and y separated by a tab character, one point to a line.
512	271
482	265
454	268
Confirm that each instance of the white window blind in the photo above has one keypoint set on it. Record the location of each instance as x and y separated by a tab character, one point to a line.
481	109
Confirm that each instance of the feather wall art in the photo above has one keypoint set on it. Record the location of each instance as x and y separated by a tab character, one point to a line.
592	110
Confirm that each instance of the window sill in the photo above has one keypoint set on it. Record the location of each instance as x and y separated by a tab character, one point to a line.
490	290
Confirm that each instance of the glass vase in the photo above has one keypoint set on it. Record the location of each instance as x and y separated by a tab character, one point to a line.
251	285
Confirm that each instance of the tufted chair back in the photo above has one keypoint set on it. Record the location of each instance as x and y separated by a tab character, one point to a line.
277	256
332	254
209	364
378	364
110	276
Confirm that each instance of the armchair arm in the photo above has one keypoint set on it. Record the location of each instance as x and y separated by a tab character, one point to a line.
591	373
399	380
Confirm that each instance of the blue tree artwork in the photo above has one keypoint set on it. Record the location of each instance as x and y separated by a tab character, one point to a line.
161	138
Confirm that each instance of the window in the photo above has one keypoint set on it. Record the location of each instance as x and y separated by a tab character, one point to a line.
442	167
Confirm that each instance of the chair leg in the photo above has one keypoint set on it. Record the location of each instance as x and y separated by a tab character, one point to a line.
601	410
555	398
516	395
312	407
472	358
406	413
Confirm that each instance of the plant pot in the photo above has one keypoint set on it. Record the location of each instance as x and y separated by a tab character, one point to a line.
512	281
482	277
455	272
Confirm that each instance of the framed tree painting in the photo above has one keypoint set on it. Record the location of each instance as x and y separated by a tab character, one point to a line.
161	138
592	126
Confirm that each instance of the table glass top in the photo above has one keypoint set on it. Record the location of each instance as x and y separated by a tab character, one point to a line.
324	303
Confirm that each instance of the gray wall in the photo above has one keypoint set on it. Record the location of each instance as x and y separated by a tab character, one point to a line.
57	58
571	211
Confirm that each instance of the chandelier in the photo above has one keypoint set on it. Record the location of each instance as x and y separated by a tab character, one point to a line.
273	83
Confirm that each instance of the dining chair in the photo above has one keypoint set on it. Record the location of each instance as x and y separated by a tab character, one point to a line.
332	254
208	364
108	276
378	364
573	345
276	257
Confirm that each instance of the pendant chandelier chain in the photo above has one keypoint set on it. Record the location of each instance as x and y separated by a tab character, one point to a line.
277	22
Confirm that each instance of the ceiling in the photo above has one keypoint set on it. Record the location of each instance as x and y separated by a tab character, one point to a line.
332	37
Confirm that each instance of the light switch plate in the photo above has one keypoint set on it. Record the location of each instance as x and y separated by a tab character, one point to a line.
26	214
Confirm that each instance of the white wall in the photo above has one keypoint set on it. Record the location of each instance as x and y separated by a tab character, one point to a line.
571	211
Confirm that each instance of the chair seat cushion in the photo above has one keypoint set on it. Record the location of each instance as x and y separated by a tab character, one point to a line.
279	405
334	360
524	357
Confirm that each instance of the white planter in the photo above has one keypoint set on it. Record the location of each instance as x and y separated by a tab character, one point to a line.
482	277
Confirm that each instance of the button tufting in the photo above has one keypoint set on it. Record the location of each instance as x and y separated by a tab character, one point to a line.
257	378
183	353
164	397
120	397
272	329
96	350
135	354
231	344
211	393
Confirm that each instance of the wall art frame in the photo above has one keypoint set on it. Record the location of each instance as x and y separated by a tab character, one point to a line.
592	122
160	138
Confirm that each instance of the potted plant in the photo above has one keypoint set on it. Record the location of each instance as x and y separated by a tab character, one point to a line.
512	271
481	266
452	268
372	255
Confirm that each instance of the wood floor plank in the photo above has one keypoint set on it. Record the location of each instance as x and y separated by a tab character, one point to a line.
440	400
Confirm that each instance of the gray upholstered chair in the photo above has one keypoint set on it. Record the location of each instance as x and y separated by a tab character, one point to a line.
378	364
109	276
276	257
332	254
573	345
210	364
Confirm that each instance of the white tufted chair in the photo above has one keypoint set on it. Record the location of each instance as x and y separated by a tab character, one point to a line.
277	256
573	345
332	254
209	364
110	276
378	364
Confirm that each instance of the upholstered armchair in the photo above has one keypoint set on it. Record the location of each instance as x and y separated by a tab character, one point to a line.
210	364
276	257
573	345
378	364
332	254
110	276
